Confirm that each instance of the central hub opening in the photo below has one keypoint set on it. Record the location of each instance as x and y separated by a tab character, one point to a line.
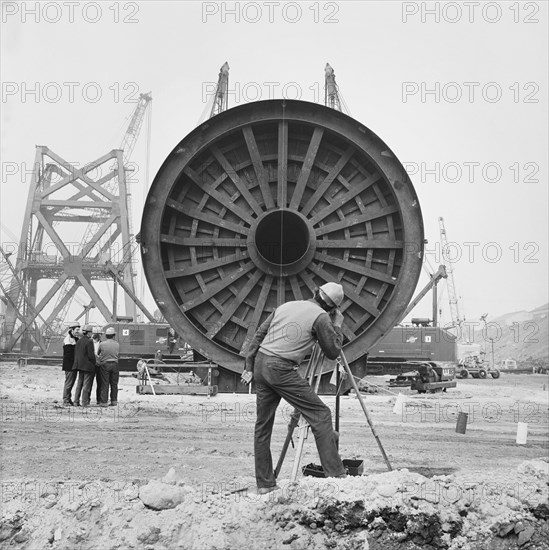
282	237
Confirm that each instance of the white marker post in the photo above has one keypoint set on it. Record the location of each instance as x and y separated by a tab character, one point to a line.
522	433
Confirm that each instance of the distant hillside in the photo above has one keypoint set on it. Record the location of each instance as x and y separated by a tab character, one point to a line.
523	336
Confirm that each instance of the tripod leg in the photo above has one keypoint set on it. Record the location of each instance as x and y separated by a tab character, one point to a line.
363	405
294	421
337	399
303	431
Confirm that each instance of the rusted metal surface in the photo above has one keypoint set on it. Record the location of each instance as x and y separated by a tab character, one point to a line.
265	202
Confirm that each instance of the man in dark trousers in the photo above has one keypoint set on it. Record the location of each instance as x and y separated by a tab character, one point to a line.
69	345
96	338
84	363
108	353
280	344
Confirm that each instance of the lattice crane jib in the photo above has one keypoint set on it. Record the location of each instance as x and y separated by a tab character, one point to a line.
331	92
452	293
221	96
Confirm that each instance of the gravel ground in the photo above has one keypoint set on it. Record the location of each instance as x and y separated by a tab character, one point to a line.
159	472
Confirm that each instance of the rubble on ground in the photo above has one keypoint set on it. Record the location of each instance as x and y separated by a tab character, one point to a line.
392	510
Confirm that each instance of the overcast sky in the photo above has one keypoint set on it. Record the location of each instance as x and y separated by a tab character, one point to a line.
459	94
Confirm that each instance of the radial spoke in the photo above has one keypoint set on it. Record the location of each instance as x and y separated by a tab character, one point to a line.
359	242
306	168
294	282
231	172
350	266
258	166
205	266
217	287
203	243
381	293
328	180
379	195
259	307
347	332
234	304
350	195
282	174
219	197
281	291
355	220
308	280
211	219
349	293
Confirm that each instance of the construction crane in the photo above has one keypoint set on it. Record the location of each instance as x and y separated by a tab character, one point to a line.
221	97
132	133
452	295
331	91
82	201
127	146
435	278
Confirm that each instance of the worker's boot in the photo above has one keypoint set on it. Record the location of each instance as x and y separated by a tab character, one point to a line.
265	490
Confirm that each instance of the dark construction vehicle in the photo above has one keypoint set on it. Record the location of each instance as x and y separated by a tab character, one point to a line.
428	376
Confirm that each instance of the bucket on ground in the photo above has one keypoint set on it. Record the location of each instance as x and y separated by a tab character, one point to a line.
461	424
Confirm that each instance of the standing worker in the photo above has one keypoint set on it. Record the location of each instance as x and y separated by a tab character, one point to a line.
84	363
96	337
279	345
108	353
69	344
172	340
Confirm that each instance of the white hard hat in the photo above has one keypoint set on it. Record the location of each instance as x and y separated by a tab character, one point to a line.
109	331
332	293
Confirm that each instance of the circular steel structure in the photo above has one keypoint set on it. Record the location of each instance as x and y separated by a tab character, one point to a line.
267	201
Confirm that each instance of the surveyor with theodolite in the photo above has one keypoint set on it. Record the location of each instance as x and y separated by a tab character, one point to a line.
108	353
69	345
279	345
84	363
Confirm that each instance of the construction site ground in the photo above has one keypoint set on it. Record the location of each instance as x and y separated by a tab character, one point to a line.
161	471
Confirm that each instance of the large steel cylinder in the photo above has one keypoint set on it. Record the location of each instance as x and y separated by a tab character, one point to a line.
265	202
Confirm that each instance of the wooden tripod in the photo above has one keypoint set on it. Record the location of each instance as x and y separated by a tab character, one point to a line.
313	376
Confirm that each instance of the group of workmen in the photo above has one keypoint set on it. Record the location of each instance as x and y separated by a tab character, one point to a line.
87	357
